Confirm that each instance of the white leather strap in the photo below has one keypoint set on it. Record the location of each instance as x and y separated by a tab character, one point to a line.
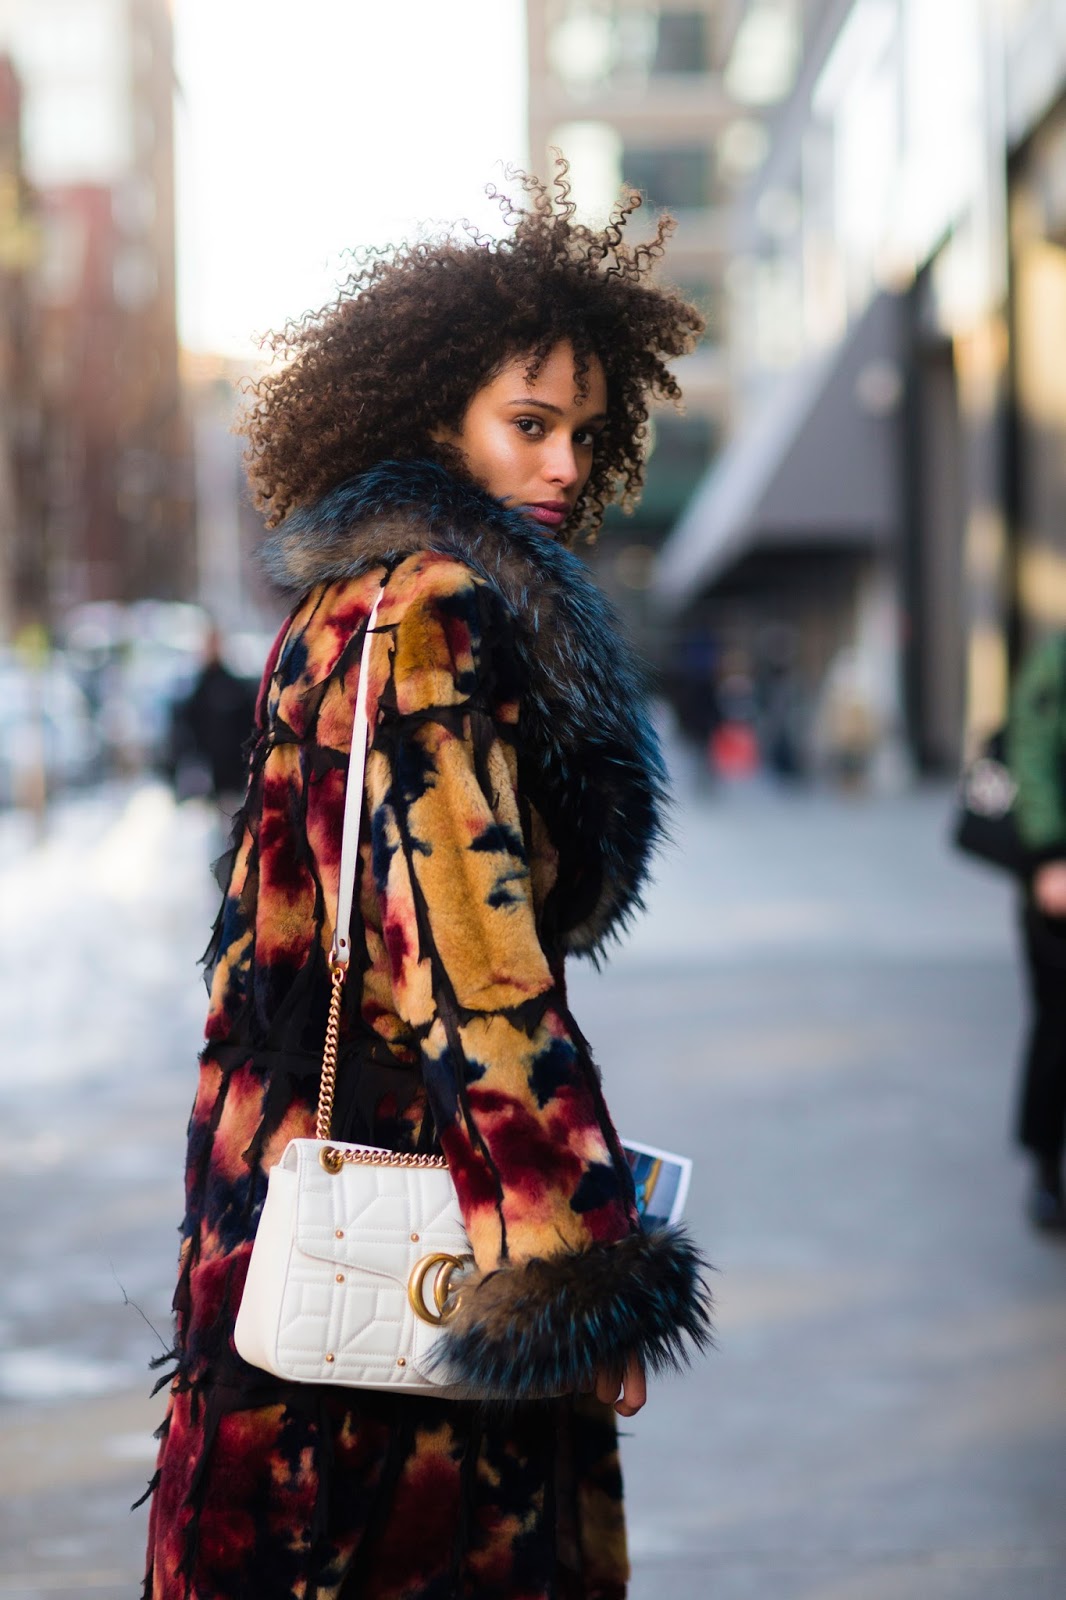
353	803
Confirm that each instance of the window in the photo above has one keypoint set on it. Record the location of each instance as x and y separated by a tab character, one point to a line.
682	447
762	66
593	43
681	45
675	176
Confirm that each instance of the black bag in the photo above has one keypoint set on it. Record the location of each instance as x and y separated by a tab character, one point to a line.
984	822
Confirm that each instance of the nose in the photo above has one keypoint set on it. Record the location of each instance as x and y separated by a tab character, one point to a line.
560	466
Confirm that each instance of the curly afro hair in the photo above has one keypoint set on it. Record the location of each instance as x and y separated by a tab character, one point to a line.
415	332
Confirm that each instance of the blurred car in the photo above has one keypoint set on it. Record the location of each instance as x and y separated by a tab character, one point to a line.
47	729
138	662
134	661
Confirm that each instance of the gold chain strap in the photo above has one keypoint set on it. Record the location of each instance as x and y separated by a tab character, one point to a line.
328	1082
331	1158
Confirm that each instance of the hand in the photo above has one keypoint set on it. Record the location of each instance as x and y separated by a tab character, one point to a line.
1049	888
634	1388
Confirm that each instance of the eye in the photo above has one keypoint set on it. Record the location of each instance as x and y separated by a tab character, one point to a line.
532	427
586	437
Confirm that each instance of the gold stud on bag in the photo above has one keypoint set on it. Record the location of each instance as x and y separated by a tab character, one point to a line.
351	1275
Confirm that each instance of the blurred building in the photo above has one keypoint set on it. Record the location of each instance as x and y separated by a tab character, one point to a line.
22	574
98	81
231	583
893	491
634	93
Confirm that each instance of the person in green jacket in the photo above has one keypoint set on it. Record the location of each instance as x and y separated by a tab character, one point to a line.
1036	754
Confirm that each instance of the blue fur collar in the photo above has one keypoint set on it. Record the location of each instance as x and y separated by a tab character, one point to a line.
584	719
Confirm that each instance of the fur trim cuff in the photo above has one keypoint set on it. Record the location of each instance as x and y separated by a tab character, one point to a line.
544	1327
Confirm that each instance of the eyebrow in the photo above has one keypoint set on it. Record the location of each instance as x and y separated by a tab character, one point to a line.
546	405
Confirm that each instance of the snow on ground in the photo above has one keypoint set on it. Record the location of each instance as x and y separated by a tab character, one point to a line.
95	919
102	921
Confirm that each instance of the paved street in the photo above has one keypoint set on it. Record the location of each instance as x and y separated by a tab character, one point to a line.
823	1008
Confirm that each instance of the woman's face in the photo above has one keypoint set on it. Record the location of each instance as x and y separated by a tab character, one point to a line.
530	441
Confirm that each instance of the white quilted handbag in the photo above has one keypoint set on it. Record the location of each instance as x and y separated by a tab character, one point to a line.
350	1279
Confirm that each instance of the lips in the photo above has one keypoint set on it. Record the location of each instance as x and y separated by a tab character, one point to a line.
551	513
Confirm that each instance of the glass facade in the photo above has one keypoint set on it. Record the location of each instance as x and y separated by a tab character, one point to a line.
679	177
597	44
681	42
680	449
73	58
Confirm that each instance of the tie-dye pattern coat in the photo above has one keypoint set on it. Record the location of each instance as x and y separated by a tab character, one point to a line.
512	800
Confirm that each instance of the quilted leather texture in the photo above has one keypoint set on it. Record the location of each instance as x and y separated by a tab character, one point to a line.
330	1268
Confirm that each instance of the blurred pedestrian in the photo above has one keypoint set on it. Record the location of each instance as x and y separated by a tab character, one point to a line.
846	723
689	685
209	732
1036	754
436	438
780	703
733	746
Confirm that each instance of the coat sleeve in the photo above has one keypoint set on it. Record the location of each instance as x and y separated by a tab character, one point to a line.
565	1280
1036	752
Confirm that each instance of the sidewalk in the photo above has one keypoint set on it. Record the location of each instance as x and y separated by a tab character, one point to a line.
823	1007
101	1008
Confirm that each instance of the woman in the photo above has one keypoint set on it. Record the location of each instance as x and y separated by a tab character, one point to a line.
1036	750
443	429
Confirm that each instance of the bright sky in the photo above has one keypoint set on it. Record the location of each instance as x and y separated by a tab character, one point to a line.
306	127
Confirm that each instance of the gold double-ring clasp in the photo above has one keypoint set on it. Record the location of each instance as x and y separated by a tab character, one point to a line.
446	1266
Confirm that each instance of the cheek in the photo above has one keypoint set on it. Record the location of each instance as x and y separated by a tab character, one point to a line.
494	456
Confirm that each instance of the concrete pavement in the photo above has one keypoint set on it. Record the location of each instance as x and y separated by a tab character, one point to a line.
826	1012
823	1007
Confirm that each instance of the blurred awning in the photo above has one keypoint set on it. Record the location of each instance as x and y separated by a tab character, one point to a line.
819	465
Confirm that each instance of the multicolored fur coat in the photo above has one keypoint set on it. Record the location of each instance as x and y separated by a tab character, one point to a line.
513	797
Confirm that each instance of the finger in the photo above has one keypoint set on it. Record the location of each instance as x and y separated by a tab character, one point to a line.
634	1389
608	1383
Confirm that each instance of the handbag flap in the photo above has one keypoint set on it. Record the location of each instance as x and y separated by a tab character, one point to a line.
379	1219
